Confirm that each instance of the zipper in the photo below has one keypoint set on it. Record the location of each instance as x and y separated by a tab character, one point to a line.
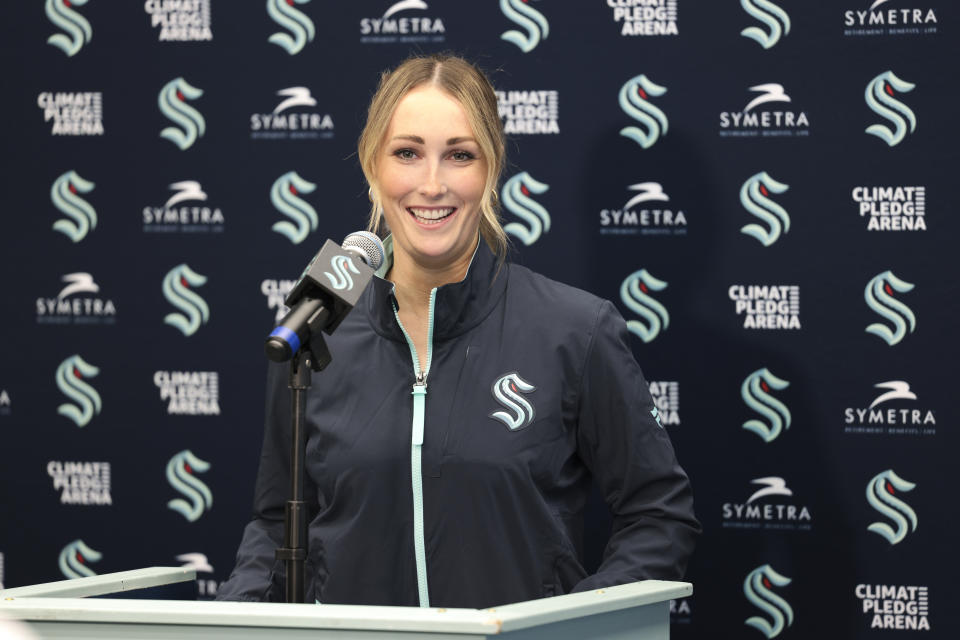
416	448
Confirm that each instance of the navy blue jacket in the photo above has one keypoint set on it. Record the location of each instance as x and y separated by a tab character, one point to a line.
531	391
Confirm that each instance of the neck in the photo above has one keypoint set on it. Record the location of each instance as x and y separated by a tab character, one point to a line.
414	281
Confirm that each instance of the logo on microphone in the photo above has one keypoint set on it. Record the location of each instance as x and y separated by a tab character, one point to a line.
880	20
634	100
180	21
70	378
758	589
292	118
517	200
530	19
341	266
882	496
173	105
643	214
180	475
879	297
78	28
506	390
176	289
646	18
73	114
284	194
635	294
86	483
755	392
81	217
773	17
755	198
74	559
289	17
880	96
407	29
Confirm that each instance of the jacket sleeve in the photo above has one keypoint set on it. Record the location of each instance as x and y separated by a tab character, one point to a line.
257	575
630	455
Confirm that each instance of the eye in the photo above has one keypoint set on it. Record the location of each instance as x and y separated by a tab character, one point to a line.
462	156
405	154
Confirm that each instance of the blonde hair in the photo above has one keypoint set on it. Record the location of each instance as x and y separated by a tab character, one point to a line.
470	87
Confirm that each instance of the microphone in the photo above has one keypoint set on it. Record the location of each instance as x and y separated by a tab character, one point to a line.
327	290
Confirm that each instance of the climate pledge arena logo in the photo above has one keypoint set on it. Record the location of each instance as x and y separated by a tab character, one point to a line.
181	470
186	211
901	208
73	114
180	20
901	17
893	412
771	507
767	306
86	483
403	21
645	17
77	29
192	393
758	589
75	558
890	606
765	116
666	397
644	213
77	303
529	112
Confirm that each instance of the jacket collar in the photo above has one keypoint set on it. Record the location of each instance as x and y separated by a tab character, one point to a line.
458	306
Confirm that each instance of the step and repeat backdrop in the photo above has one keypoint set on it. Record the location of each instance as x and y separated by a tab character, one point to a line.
765	188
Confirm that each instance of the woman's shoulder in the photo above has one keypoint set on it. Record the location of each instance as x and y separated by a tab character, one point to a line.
545	296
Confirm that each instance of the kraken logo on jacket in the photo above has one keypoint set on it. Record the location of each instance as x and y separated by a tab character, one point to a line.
882	496
70	378
755	392
880	95
74	558
635	294
530	19
879	297
79	31
634	100
775	19
758	588
180	474
341	266
176	289
284	194
517	200
81	217
755	198
172	102
507	389
289	17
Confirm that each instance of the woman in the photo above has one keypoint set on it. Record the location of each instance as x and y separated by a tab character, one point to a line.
452	442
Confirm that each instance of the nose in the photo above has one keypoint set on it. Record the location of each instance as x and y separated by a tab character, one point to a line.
433	184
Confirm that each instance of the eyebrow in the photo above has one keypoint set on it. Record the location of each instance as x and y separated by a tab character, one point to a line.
450	141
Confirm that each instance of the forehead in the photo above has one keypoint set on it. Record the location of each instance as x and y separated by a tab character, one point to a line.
428	110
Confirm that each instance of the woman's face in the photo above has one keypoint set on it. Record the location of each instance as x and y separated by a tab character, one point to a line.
431	178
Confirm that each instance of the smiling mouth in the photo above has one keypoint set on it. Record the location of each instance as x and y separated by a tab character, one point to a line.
431	216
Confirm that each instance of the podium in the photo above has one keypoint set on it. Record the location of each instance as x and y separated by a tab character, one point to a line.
78	609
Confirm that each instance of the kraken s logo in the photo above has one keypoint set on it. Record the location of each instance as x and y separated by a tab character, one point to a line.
757	588
62	15
341	265
507	390
176	289
180	472
634	292
527	17
879	297
73	559
70	380
284	196
881	494
633	98
770	15
284	14
880	98
755	198
755	392
82	217
172	102
516	197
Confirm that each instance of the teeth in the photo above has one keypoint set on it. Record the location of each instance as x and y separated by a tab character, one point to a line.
431	215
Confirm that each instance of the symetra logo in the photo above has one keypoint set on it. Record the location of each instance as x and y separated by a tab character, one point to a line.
178	216
881	418
635	294
206	589
634	100
81	217
276	291
191	393
70	378
767	306
74	558
758	590
645	17
767	509
79	31
180	475
879	297
172	102
73	114
775	19
517	200
529	112
506	390
890	606
86	483
292	119
643	214
880	96
72	305
755	198
882	496
176	289
289	17
284	194
342	266
752	121
536	26
183	21
666	397
881	19
755	392
388	29
900	208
